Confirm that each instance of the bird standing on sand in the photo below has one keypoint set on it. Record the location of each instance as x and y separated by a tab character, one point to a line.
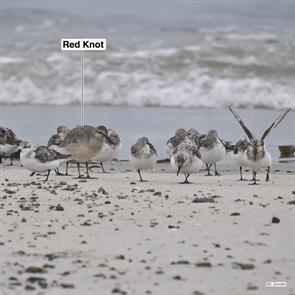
174	141
110	150
212	150
186	159
257	156
84	143
9	144
143	155
41	159
239	155
54	143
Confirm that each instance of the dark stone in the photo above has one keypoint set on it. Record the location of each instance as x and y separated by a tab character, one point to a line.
59	208
235	214
243	266
275	220
203	200
203	264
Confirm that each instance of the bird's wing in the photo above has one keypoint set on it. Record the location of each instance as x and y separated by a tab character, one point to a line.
247	131
44	154
276	122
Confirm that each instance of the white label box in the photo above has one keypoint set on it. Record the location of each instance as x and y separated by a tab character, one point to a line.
83	44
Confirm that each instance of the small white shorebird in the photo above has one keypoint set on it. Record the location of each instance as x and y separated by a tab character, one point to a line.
9	144
239	155
257	157
84	143
143	155
179	136
212	150
54	143
110	150
186	159
40	158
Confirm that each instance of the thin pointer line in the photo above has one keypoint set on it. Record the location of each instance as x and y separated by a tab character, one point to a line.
82	87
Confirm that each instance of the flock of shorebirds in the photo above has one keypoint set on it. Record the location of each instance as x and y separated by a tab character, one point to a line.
187	150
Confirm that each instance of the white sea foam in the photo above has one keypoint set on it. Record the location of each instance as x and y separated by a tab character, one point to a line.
10	60
213	71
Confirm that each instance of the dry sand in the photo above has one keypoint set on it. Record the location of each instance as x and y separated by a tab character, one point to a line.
115	235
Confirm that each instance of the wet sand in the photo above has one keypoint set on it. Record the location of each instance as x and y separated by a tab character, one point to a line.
115	235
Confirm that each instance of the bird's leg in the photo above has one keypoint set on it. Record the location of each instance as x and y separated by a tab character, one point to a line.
267	174
141	180
186	178
241	173
1	160
254	178
78	166
216	173
57	172
79	176
87	172
47	175
102	167
33	173
11	161
67	169
208	169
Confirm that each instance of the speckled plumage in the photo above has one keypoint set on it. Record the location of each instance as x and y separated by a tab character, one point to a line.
174	141
110	149
143	155
186	159
9	143
212	150
195	136
41	158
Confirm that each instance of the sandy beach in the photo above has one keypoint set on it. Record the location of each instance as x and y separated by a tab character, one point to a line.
115	235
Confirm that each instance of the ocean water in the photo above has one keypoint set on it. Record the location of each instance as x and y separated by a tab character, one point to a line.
166	53
37	123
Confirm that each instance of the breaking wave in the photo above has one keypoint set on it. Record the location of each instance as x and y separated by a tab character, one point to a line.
218	69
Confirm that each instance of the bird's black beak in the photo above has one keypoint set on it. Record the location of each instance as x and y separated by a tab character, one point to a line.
107	138
179	168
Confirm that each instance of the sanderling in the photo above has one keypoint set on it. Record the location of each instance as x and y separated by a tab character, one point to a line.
239	155
212	150
9	144
110	150
143	155
40	158
186	159
257	156
173	142
54	143
84	143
